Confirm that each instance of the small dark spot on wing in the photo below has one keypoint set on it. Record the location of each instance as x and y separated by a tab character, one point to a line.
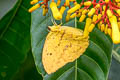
49	53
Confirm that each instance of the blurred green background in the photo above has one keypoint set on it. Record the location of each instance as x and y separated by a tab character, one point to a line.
27	70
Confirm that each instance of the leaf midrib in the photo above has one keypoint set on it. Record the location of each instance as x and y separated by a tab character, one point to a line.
76	59
7	26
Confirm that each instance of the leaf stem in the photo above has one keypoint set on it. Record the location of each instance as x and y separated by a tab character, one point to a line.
76	59
76	69
116	55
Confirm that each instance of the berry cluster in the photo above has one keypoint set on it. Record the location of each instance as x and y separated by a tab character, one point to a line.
104	13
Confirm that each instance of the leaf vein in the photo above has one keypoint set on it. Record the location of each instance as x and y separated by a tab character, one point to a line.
13	30
84	72
21	22
64	73
12	45
2	52
95	63
3	32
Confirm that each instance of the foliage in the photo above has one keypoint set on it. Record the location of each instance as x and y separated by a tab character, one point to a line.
16	61
93	64
116	52
15	41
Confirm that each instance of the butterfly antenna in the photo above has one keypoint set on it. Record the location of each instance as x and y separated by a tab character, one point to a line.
53	21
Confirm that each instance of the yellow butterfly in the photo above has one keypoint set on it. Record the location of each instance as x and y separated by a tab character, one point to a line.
63	44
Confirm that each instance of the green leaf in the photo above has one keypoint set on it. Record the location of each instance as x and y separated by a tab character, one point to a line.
116	52
14	39
27	70
94	64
